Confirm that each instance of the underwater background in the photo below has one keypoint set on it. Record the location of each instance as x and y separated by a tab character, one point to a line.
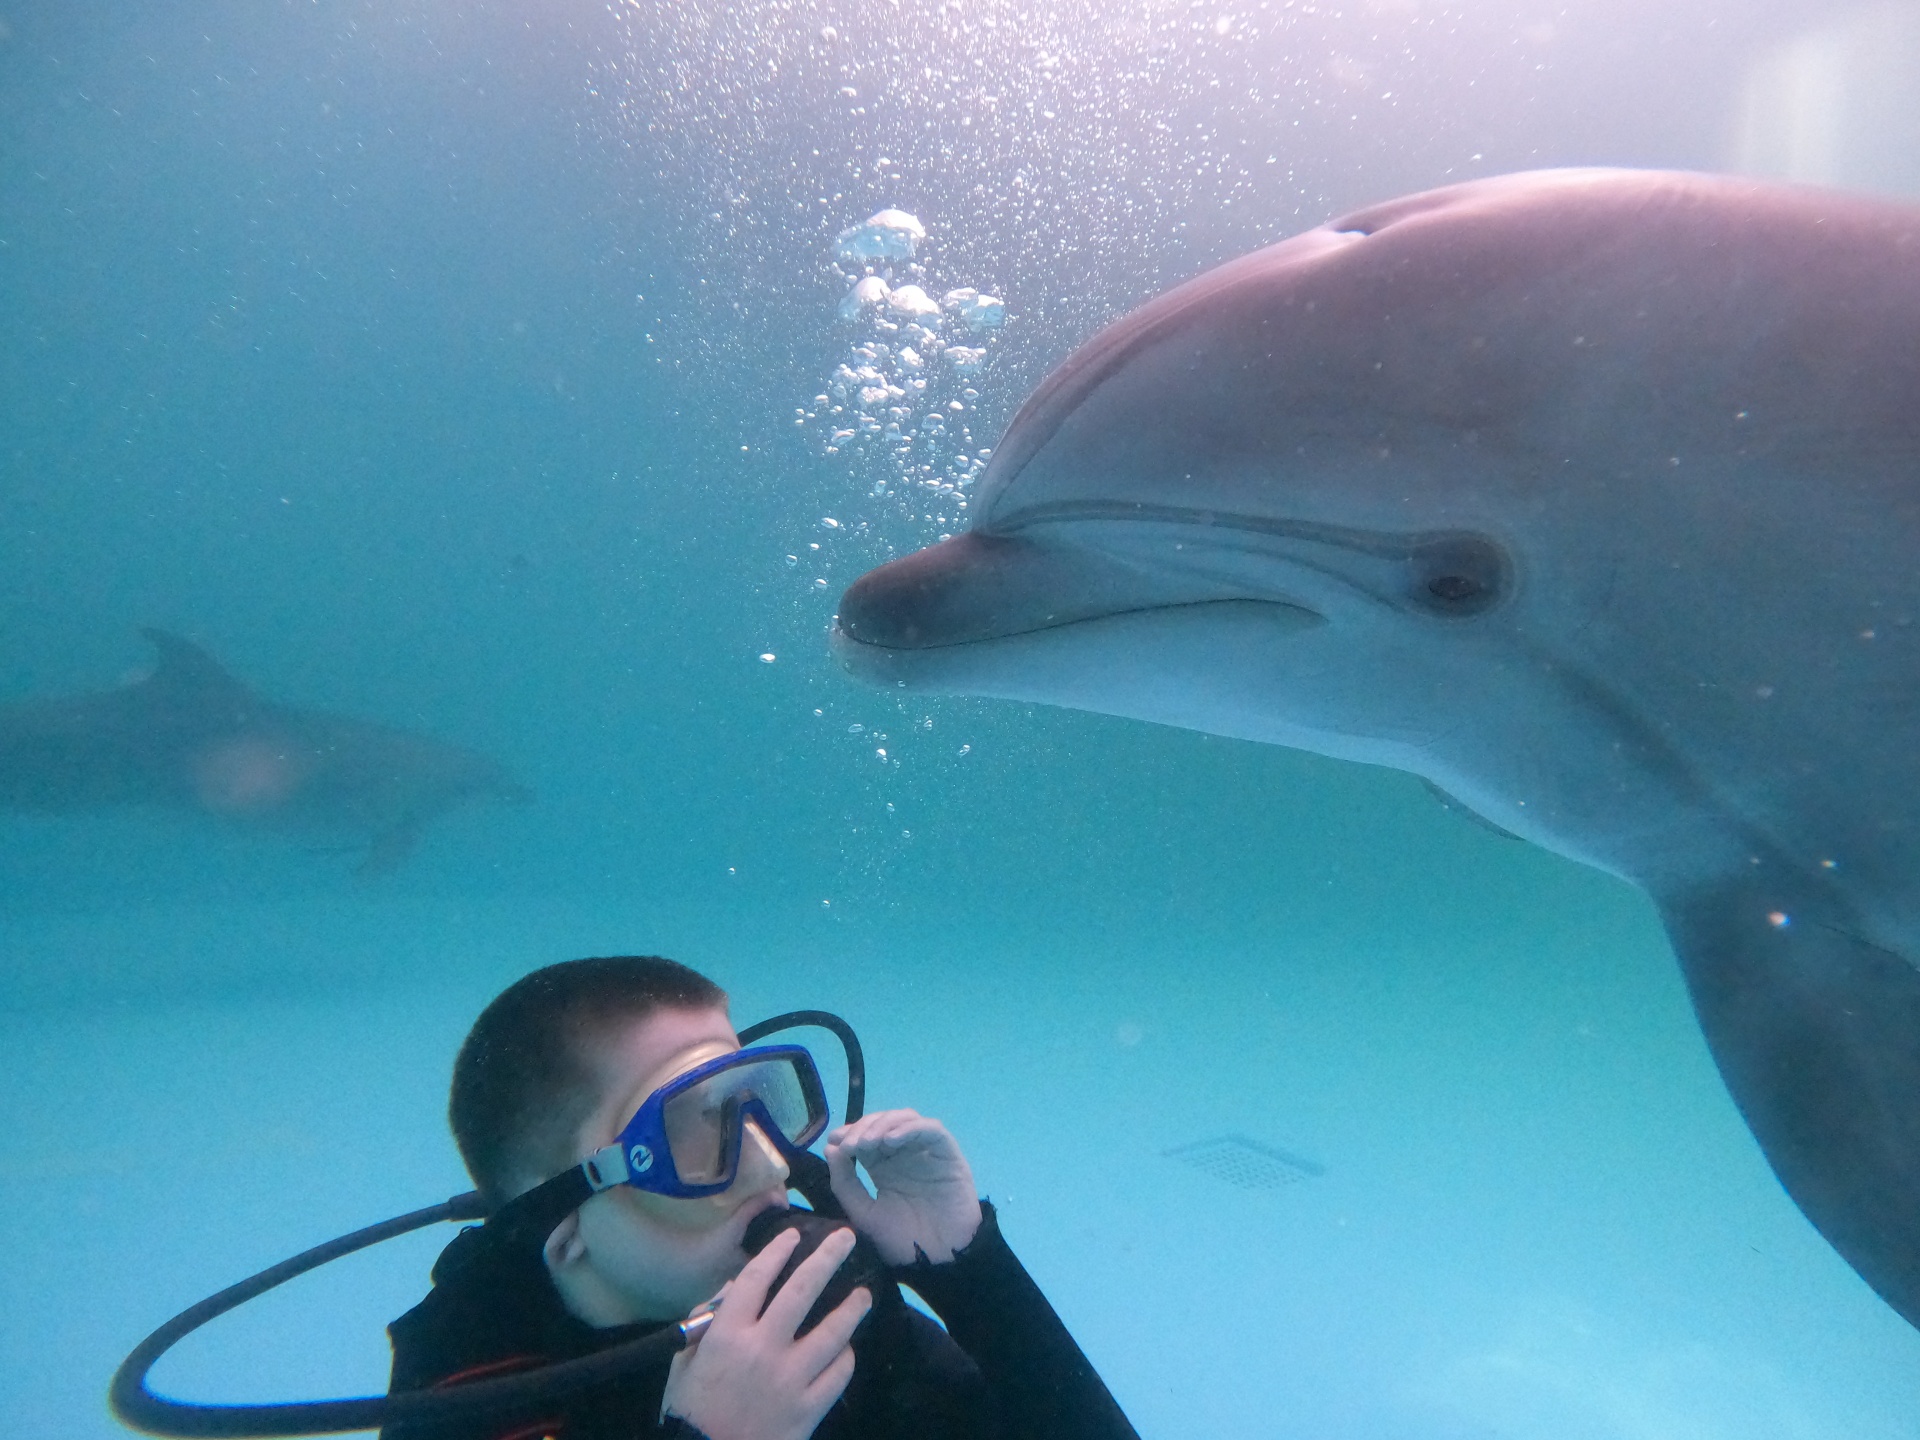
471	368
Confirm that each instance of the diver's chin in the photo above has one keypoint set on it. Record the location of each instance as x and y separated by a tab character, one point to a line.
751	1209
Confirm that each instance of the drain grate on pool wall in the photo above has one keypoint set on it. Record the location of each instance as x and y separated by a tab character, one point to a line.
1245	1163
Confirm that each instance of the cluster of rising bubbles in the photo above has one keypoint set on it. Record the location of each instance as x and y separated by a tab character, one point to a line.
897	413
898	408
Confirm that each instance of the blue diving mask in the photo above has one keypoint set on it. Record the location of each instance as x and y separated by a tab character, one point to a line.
685	1138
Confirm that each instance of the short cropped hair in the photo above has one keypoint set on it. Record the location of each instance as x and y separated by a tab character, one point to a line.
525	1081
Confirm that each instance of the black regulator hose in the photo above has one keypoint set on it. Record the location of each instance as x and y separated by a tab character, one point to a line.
137	1406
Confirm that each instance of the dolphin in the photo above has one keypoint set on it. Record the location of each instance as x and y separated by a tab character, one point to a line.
1591	497
191	737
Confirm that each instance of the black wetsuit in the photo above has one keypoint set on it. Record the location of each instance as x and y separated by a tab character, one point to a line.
1005	1368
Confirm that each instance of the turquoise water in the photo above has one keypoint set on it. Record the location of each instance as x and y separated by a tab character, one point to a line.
439	365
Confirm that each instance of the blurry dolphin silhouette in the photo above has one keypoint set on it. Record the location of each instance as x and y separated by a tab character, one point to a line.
192	737
1592	497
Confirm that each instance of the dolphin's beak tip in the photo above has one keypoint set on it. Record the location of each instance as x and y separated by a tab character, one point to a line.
870	613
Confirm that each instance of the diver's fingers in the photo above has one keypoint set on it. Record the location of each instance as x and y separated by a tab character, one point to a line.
911	1129
821	1346
867	1126
861	1139
877	1139
832	1381
791	1302
746	1293
848	1188
900	1131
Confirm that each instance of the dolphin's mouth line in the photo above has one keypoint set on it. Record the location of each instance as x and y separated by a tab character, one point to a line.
1306	618
1448	574
1374	543
998	583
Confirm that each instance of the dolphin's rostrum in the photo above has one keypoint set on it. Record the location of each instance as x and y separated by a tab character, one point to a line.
1591	497
191	737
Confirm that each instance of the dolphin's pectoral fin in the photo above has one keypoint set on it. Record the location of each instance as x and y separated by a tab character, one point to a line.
1817	1034
1464	810
389	849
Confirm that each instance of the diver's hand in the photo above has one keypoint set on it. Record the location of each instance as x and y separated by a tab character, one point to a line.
748	1378
926	1197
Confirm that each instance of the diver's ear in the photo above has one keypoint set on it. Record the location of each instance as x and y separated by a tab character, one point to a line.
566	1248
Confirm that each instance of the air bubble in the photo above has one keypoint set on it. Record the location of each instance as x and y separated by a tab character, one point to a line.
887	235
896	403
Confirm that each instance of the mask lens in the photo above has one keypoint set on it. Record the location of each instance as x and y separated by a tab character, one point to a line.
699	1120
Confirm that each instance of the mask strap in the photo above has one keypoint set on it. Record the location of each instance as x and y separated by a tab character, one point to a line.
525	1222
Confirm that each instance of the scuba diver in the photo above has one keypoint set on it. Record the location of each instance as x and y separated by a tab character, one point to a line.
791	1320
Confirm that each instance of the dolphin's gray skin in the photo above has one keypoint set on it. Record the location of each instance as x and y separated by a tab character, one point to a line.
192	737
1592	497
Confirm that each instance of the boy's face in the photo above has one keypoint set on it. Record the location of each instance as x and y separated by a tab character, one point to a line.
654	1257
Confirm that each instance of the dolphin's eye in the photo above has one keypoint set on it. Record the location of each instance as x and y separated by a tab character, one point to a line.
1457	574
1453	588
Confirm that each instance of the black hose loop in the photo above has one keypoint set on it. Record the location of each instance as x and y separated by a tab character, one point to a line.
138	1407
850	1042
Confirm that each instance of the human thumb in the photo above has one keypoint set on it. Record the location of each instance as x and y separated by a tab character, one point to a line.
848	1188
